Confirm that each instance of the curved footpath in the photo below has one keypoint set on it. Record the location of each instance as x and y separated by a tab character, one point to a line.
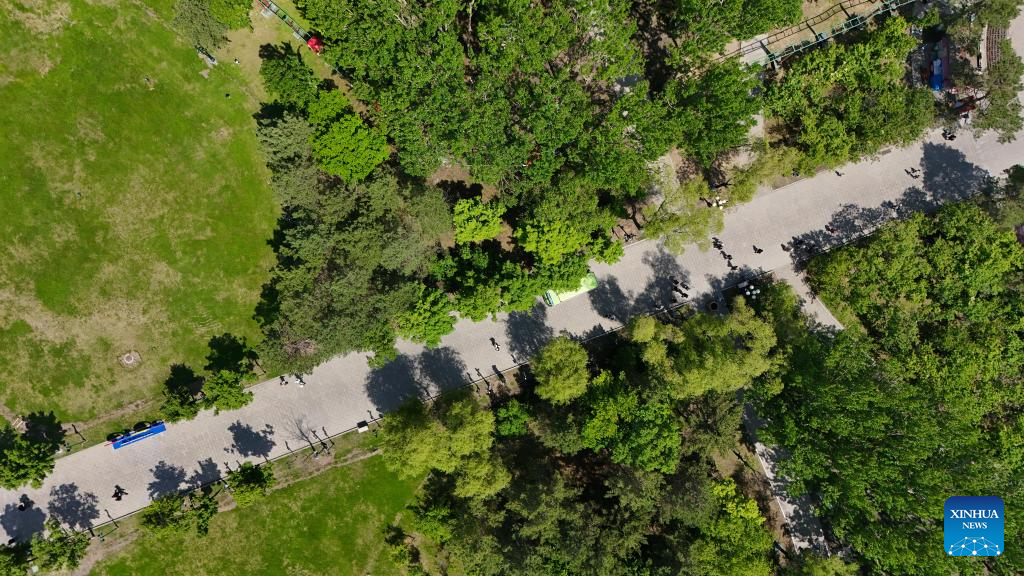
344	391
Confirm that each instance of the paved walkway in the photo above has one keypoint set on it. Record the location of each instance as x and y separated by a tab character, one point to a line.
343	391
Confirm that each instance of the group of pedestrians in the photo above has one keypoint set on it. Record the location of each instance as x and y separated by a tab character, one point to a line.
718	202
298	380
728	257
679	287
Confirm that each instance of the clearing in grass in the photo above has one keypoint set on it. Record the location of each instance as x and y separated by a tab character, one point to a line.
136	210
328	524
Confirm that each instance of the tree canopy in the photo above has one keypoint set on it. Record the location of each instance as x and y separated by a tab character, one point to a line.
59	549
1001	107
617	477
879	417
24	460
342	144
844	100
225	390
561	371
563	113
178	513
286	77
249	483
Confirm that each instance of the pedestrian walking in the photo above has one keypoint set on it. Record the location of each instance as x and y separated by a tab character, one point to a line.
497	347
784	247
757	250
838	173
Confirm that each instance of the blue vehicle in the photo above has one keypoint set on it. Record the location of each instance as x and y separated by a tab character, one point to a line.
151	430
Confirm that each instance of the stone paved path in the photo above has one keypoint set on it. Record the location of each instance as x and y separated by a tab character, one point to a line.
343	391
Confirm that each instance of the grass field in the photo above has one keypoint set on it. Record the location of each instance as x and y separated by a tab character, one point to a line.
135	211
330	524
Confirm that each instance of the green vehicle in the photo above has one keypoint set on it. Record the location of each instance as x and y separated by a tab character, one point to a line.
587	283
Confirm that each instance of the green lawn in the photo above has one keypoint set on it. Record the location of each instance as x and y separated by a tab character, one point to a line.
330	524
135	213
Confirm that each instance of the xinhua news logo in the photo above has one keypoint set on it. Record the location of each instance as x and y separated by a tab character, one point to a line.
973	526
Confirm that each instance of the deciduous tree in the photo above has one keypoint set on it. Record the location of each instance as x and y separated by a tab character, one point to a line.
561	371
225	390
23	460
194	20
286	77
249	483
476	221
342	144
429	320
735	542
680	216
1001	83
59	549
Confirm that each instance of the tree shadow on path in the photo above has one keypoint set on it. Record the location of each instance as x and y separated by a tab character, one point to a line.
167	479
441	369
44	428
207	472
431	372
389	386
610	302
528	332
20	525
74	509
247	441
947	177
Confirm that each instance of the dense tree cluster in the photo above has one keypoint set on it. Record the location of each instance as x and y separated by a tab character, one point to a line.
998	84
249	483
231	363
58	549
845	100
607	467
549	115
178	513
919	398
205	22
24	458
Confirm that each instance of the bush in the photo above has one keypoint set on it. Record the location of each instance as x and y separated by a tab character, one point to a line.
512	419
250	483
197	23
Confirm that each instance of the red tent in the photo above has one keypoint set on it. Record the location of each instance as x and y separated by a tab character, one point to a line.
315	44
